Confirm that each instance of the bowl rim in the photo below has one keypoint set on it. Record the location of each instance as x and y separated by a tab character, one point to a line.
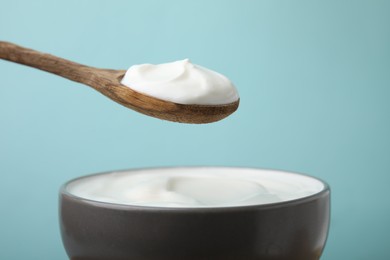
63	192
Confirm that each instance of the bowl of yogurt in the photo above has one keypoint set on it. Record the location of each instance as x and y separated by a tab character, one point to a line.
195	213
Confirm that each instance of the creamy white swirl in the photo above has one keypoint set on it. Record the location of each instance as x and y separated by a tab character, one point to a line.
195	187
181	82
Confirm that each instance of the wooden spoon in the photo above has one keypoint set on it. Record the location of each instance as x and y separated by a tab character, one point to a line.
107	82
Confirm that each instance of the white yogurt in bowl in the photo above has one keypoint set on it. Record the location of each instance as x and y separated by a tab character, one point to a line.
195	187
181	82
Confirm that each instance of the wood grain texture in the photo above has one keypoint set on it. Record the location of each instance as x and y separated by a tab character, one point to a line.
107	82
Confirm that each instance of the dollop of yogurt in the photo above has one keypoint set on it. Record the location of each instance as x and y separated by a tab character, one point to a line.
181	82
195	187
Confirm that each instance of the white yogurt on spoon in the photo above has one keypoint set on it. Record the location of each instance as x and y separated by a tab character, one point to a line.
181	82
197	187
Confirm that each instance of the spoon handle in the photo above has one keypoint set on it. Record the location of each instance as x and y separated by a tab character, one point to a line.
50	63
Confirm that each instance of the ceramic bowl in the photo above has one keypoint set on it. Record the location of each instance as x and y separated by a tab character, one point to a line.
289	230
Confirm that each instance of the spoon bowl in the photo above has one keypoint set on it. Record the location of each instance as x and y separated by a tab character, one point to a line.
108	83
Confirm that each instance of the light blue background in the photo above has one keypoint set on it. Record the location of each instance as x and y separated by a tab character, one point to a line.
314	80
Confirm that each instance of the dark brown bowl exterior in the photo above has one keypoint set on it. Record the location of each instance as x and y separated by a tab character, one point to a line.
293	230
